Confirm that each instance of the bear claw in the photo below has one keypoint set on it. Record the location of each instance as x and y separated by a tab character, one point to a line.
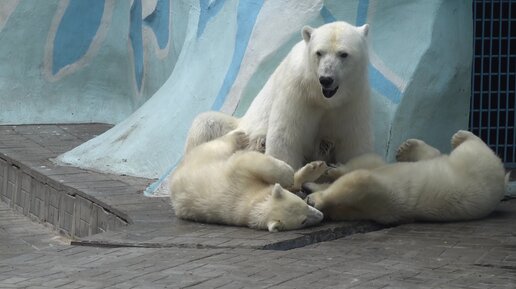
319	166
309	201
406	150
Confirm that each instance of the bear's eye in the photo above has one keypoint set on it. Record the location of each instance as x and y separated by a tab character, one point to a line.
343	54
318	53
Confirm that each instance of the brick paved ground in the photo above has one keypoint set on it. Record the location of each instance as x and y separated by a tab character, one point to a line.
18	235
479	254
179	254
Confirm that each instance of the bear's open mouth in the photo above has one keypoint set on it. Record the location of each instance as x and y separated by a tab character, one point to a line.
329	92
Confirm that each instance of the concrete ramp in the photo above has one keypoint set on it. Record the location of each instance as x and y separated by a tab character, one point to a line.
216	55
151	140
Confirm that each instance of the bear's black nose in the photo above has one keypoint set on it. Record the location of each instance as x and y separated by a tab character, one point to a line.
325	81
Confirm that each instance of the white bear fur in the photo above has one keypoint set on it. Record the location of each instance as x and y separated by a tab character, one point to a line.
291	109
217	182
465	185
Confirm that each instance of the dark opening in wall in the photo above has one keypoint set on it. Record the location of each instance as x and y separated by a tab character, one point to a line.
493	99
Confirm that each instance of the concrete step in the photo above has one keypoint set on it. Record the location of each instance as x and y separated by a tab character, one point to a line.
75	202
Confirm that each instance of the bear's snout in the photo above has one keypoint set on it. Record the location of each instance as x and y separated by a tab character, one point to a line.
326	81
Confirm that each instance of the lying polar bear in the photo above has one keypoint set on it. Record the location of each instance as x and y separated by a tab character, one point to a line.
217	182
427	186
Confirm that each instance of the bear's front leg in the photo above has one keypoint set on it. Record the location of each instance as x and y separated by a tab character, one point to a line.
278	147
309	173
348	190
292	131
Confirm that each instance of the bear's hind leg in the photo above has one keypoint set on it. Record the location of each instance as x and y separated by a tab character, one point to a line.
413	150
208	126
469	150
264	167
461	136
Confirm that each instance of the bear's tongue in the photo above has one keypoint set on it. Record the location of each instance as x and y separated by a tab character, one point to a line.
329	92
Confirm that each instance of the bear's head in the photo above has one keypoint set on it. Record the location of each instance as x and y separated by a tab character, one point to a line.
337	56
283	211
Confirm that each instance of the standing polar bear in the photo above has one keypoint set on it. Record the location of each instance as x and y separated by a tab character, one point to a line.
426	186
318	96
219	182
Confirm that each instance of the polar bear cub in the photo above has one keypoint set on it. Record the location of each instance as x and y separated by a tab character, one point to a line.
217	182
465	185
318	93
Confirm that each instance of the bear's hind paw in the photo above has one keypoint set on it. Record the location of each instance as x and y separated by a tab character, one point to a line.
459	137
407	150
413	150
241	139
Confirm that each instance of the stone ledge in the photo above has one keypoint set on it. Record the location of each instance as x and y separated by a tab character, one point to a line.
44	200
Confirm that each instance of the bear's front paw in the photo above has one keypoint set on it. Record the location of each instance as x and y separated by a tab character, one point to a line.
314	200
311	171
317	167
310	201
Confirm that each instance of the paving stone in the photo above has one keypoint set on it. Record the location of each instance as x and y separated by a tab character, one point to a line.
29	237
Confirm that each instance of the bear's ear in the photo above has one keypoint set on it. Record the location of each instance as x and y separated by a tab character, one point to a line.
364	29
274	226
277	191
307	33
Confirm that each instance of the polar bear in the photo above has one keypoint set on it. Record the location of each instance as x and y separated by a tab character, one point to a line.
318	94
218	182
427	186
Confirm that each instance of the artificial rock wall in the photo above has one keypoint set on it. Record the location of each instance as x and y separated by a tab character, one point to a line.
76	61
72	61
